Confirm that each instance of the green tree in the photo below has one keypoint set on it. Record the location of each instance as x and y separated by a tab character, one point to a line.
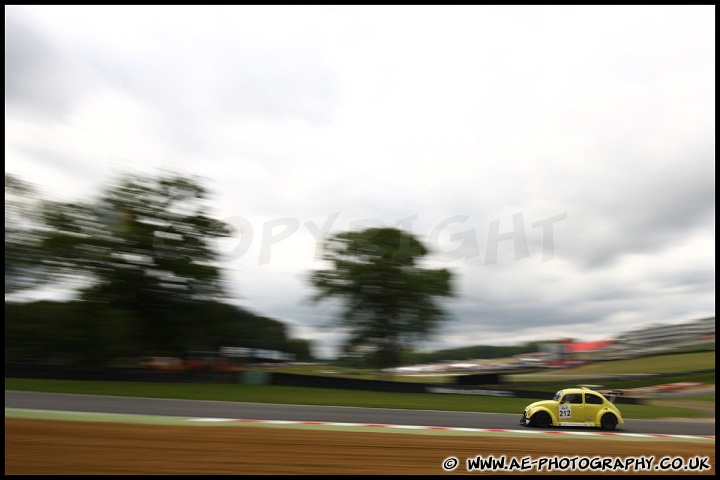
389	301
23	269
140	257
72	333
145	247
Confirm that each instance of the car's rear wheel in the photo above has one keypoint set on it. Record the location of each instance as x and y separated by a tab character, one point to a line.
543	420
608	422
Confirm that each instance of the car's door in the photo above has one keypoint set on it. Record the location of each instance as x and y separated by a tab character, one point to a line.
571	409
593	404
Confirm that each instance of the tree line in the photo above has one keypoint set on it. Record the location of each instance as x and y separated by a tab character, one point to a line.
148	281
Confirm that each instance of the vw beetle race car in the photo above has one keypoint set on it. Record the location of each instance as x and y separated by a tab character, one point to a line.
575	407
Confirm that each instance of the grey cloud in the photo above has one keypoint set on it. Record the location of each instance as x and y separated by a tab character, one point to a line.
279	82
37	83
206	78
190	82
507	320
60	161
194	87
645	211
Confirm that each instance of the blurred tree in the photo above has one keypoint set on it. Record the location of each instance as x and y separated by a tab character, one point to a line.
141	260
389	300
67	333
301	348
23	269
144	246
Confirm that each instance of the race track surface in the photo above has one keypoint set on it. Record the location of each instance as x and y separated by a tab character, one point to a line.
60	447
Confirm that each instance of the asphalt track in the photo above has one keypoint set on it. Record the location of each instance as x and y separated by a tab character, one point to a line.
53	402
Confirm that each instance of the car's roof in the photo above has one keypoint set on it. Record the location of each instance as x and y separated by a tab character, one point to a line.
577	390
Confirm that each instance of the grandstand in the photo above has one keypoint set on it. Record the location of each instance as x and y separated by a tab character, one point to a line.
644	341
702	330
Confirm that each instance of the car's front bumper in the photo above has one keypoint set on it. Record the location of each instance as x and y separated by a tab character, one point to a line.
524	421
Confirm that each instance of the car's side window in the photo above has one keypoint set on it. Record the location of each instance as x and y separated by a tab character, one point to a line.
572	398
593	399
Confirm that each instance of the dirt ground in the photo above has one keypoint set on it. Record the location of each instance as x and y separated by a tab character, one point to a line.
54	447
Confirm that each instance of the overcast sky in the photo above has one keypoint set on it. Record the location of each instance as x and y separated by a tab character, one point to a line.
558	159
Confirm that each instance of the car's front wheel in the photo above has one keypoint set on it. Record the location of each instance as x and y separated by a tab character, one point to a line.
608	422
543	420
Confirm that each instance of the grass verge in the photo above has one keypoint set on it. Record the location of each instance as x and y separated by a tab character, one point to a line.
326	397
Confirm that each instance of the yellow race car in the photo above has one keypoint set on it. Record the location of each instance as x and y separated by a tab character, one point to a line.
575	407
